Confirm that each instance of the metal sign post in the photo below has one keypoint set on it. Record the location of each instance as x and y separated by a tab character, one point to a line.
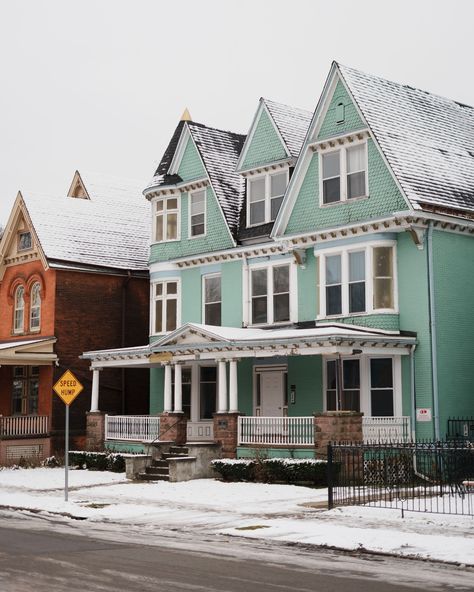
67	388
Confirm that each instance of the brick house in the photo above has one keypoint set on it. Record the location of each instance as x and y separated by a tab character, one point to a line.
73	272
324	263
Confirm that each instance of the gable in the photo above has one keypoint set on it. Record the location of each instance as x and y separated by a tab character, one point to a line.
264	145
352	120
77	188
191	166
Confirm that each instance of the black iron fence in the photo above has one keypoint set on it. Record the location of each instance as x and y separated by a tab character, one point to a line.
461	428
415	476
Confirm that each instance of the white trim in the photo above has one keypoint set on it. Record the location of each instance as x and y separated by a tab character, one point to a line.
164	215
179	151
267	190
205	277
344	251
190	215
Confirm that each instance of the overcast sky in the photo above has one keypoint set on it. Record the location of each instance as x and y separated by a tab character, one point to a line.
101	84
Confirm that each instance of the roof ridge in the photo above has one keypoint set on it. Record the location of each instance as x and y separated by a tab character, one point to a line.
216	129
266	100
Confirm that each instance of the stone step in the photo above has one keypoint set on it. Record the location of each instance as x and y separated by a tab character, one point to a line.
179	450
148	477
157	470
167	455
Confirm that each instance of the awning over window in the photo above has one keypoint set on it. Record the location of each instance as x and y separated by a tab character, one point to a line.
194	341
28	352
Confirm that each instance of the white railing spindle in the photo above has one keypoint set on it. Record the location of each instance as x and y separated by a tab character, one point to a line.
23	425
279	431
386	429
145	428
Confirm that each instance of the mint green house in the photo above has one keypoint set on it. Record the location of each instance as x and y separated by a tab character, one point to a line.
325	261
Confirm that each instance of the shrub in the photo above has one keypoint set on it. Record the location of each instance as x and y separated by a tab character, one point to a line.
281	470
97	461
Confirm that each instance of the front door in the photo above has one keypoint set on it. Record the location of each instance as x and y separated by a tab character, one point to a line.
272	392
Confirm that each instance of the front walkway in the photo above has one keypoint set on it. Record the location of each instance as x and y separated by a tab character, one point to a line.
273	512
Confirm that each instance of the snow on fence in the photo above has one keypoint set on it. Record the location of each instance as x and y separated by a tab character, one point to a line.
386	429
144	428
23	425
288	431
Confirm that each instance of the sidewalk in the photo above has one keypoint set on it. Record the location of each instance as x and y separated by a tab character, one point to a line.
274	512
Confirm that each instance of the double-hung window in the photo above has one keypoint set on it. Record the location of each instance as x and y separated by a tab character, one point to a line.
166	219
165	301
35	307
212	299
344	174
264	196
25	390
197	210
270	294
359	281
19	312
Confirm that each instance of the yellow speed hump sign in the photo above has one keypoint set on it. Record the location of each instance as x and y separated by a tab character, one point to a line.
68	387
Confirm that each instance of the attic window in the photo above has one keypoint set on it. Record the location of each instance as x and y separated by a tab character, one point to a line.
340	112
24	241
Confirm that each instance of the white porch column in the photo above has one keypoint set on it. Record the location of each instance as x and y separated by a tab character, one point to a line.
95	389
178	391
222	396
167	389
233	390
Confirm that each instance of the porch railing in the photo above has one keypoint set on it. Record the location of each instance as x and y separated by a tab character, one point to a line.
144	428
23	425
277	431
386	429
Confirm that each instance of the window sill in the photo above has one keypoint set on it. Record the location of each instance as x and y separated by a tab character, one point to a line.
164	242
343	201
197	236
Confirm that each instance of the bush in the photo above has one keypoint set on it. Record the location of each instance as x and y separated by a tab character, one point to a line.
97	461
270	470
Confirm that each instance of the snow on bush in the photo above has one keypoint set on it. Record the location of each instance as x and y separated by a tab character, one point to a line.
97	461
282	470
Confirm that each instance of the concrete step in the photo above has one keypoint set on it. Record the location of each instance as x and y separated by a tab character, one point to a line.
180	450
157	471
148	477
167	455
159	463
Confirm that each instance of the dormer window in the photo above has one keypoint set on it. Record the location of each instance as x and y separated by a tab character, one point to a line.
166	219
264	197
25	242
197	210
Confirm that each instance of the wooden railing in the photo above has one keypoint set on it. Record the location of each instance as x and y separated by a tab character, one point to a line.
276	431
23	425
386	429
144	428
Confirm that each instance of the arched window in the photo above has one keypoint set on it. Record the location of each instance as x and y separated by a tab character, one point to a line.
19	319
35	307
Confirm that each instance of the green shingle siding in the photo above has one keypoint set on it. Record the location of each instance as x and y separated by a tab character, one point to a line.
232	296
352	120
191	166
384	198
385	322
217	235
265	145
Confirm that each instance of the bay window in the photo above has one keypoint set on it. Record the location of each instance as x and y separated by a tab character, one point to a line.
166	219
270	294
264	197
165	306
344	174
356	281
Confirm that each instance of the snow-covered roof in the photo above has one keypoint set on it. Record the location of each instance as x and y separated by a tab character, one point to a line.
292	123
24	343
111	229
428	140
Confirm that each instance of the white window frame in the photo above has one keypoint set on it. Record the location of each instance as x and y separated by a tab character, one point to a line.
203	310
153	300
19	328
190	215
342	149
365	382
293	292
35	286
24	249
164	214
369	279
268	198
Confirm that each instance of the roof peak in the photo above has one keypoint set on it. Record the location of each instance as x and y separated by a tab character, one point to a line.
186	116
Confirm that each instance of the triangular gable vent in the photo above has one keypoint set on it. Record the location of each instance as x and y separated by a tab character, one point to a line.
78	189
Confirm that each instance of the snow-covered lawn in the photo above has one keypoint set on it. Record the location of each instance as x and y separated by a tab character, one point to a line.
276	512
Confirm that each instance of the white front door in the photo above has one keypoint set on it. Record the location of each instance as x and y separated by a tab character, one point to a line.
271	392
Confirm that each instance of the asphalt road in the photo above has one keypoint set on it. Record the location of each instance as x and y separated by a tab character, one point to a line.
38	555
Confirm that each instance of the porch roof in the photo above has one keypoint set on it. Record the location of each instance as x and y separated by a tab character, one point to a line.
28	352
196	341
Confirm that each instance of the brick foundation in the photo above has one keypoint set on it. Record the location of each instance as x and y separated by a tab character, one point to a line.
336	426
225	432
95	431
173	427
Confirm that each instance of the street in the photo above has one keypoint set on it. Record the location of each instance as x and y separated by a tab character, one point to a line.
54	555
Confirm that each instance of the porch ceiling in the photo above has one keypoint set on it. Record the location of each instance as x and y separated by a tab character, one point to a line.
194	341
28	352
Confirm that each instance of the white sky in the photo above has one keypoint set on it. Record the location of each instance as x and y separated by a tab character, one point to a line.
101	85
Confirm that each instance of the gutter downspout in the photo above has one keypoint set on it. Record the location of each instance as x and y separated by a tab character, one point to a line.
434	357
412	393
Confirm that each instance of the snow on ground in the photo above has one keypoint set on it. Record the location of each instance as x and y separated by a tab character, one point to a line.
274	512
